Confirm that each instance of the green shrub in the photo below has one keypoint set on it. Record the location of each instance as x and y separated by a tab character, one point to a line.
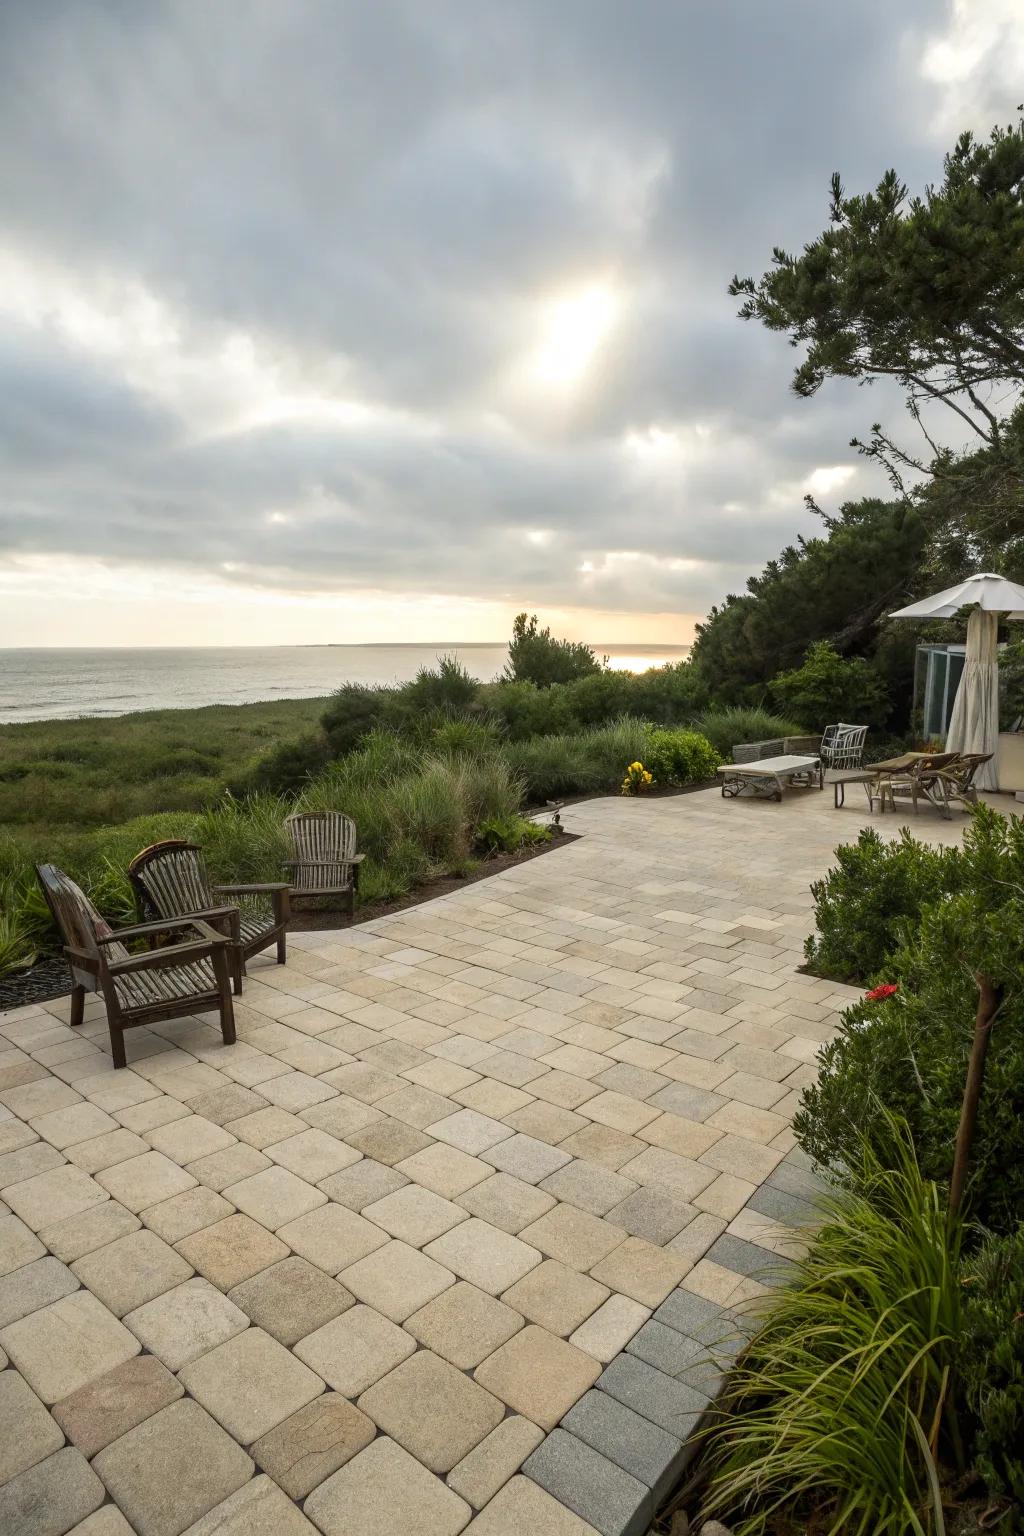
507	834
909	1052
354	710
584	763
17	950
992	1363
680	757
287	767
446	687
829	687
863	906
462	736
724	728
534	656
832	1413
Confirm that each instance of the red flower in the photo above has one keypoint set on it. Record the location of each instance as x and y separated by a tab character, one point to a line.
885	990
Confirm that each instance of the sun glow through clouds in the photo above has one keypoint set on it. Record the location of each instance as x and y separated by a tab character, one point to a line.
574	328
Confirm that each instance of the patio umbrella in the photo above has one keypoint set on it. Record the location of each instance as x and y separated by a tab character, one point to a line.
974	724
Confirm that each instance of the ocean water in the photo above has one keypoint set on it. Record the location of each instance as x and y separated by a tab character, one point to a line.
62	684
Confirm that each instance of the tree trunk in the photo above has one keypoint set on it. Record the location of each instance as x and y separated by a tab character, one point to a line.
989	999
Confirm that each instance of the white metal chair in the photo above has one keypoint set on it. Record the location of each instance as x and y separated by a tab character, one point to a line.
842	746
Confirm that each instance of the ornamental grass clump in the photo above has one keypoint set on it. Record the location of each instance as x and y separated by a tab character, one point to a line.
840	1411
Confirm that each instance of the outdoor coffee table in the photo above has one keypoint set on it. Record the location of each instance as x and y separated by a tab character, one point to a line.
769	776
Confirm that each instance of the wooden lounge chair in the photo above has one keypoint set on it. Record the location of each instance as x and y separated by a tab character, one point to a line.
325	861
917	778
956	779
170	982
170	880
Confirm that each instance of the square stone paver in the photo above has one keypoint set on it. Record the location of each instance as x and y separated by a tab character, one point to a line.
18	1244
538	1375
27	1432
28	1100
78	1122
397	1280
526	1158
657	1215
641	1270
189	1138
506	1202
573	1237
588	1186
33	1286
313	1155
184	1214
115	1402
52	1496
264	1127
464	1325
469	1131
489	1465
384	1490
231	1250
131	1271
291	1299
415	1215
332	1237
184	1323
556	1297
231	1166
590	1484
222	1105
362	1183
446	1170
389	1141
274	1197
93	1228
53	1196
484	1255
172	1469
522	1505
355	1350
28	1160
104	1151
258	1508
608	1330
142	1181
306	1448
433	1410
65	1345
250	1384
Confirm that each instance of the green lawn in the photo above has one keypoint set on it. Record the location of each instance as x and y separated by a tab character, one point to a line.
76	774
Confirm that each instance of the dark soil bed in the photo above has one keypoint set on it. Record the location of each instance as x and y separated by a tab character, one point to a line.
50	977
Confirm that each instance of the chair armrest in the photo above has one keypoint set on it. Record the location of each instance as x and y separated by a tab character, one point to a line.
265	889
170	956
164	925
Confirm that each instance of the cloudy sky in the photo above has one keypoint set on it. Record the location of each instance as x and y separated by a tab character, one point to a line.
362	319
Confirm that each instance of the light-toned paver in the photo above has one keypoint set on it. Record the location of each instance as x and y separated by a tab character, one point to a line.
384	1490
457	1157
61	1347
538	1375
250	1384
185	1322
354	1350
27	1432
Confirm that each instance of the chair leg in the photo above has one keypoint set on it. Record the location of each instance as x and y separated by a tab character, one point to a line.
227	1007
237	970
117	1046
351	903
282	948
77	1006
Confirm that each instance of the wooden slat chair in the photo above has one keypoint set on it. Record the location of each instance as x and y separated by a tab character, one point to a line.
325	861
956	779
170	880
170	982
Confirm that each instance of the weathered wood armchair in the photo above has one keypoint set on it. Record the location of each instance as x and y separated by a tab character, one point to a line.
170	880
169	982
325	861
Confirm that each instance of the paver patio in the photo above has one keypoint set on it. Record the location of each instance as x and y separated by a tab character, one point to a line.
459	1233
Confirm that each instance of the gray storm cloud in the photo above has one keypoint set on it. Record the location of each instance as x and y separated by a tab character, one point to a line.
277	279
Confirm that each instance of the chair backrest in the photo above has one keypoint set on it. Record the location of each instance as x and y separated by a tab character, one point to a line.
170	879
964	766
842	745
322	837
78	920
